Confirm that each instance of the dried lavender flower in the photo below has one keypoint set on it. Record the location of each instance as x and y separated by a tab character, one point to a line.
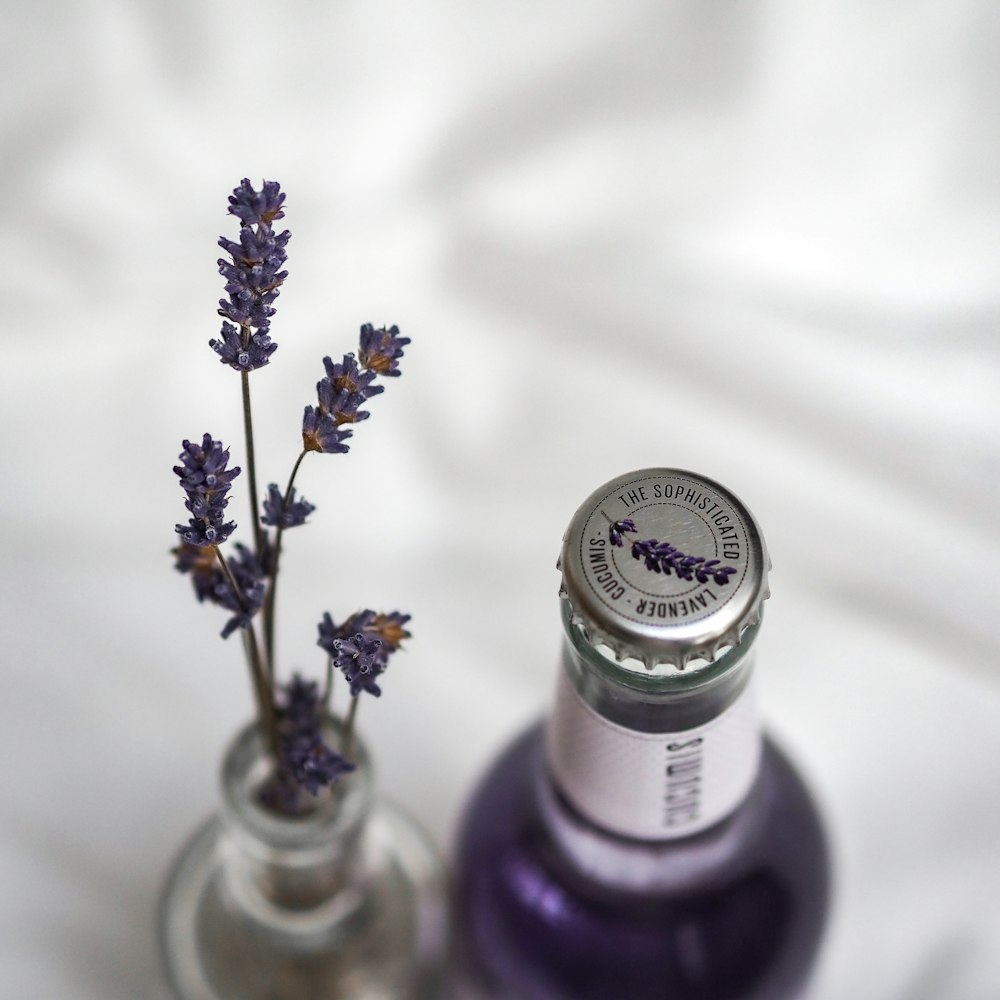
341	404
381	349
329	632
253	207
203	565
361	646
347	385
241	352
253	277
321	432
244	583
389	628
206	480
211	583
250	578
290	515
359	658
305	761
349	375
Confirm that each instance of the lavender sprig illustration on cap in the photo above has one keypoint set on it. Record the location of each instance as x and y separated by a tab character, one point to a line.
662	557
291	713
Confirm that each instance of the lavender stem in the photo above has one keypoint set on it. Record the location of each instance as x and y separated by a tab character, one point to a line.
275	558
258	535
262	688
349	726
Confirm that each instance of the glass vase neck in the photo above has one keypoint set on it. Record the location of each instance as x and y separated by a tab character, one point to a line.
277	864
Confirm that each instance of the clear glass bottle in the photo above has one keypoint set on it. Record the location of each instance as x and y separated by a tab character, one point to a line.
346	903
646	841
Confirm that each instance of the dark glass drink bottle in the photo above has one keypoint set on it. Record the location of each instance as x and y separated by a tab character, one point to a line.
646	841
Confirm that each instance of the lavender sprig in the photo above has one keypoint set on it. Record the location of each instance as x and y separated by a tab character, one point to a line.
253	277
285	511
206	480
245	583
211	583
381	349
347	386
305	760
662	557
361	646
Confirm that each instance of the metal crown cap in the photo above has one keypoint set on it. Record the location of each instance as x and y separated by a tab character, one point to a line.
664	567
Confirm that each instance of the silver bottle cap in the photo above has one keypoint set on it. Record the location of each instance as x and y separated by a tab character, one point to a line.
664	566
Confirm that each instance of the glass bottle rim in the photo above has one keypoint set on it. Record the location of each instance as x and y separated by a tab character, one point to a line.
339	809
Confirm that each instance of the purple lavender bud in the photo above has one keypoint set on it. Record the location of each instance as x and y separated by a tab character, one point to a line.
211	584
618	527
304	761
252	207
389	628
203	566
381	349
360	660
203	467
348	375
290	515
301	702
255	353
361	646
250	578
311	762
330	632
341	404
253	277
320	432
206	480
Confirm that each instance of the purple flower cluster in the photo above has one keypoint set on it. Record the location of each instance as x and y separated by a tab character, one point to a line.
287	515
253	277
347	385
291	717
361	646
211	583
662	557
305	761
206	480
381	349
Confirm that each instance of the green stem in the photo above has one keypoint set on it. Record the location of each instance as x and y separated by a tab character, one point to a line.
262	689
275	557
328	690
349	726
258	534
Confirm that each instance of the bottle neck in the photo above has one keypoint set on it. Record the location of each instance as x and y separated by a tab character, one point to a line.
654	756
280	867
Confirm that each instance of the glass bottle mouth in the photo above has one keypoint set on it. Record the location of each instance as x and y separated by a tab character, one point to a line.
310	837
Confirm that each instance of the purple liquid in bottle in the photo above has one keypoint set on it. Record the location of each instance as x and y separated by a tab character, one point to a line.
646	843
744	920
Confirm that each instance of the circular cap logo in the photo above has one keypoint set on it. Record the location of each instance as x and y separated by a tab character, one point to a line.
663	557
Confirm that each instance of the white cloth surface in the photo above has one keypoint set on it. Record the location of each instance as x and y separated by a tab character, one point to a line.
755	240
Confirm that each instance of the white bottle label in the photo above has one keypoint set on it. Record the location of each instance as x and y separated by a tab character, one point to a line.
655	786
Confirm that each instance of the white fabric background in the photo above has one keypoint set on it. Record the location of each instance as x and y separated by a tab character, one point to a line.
757	240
